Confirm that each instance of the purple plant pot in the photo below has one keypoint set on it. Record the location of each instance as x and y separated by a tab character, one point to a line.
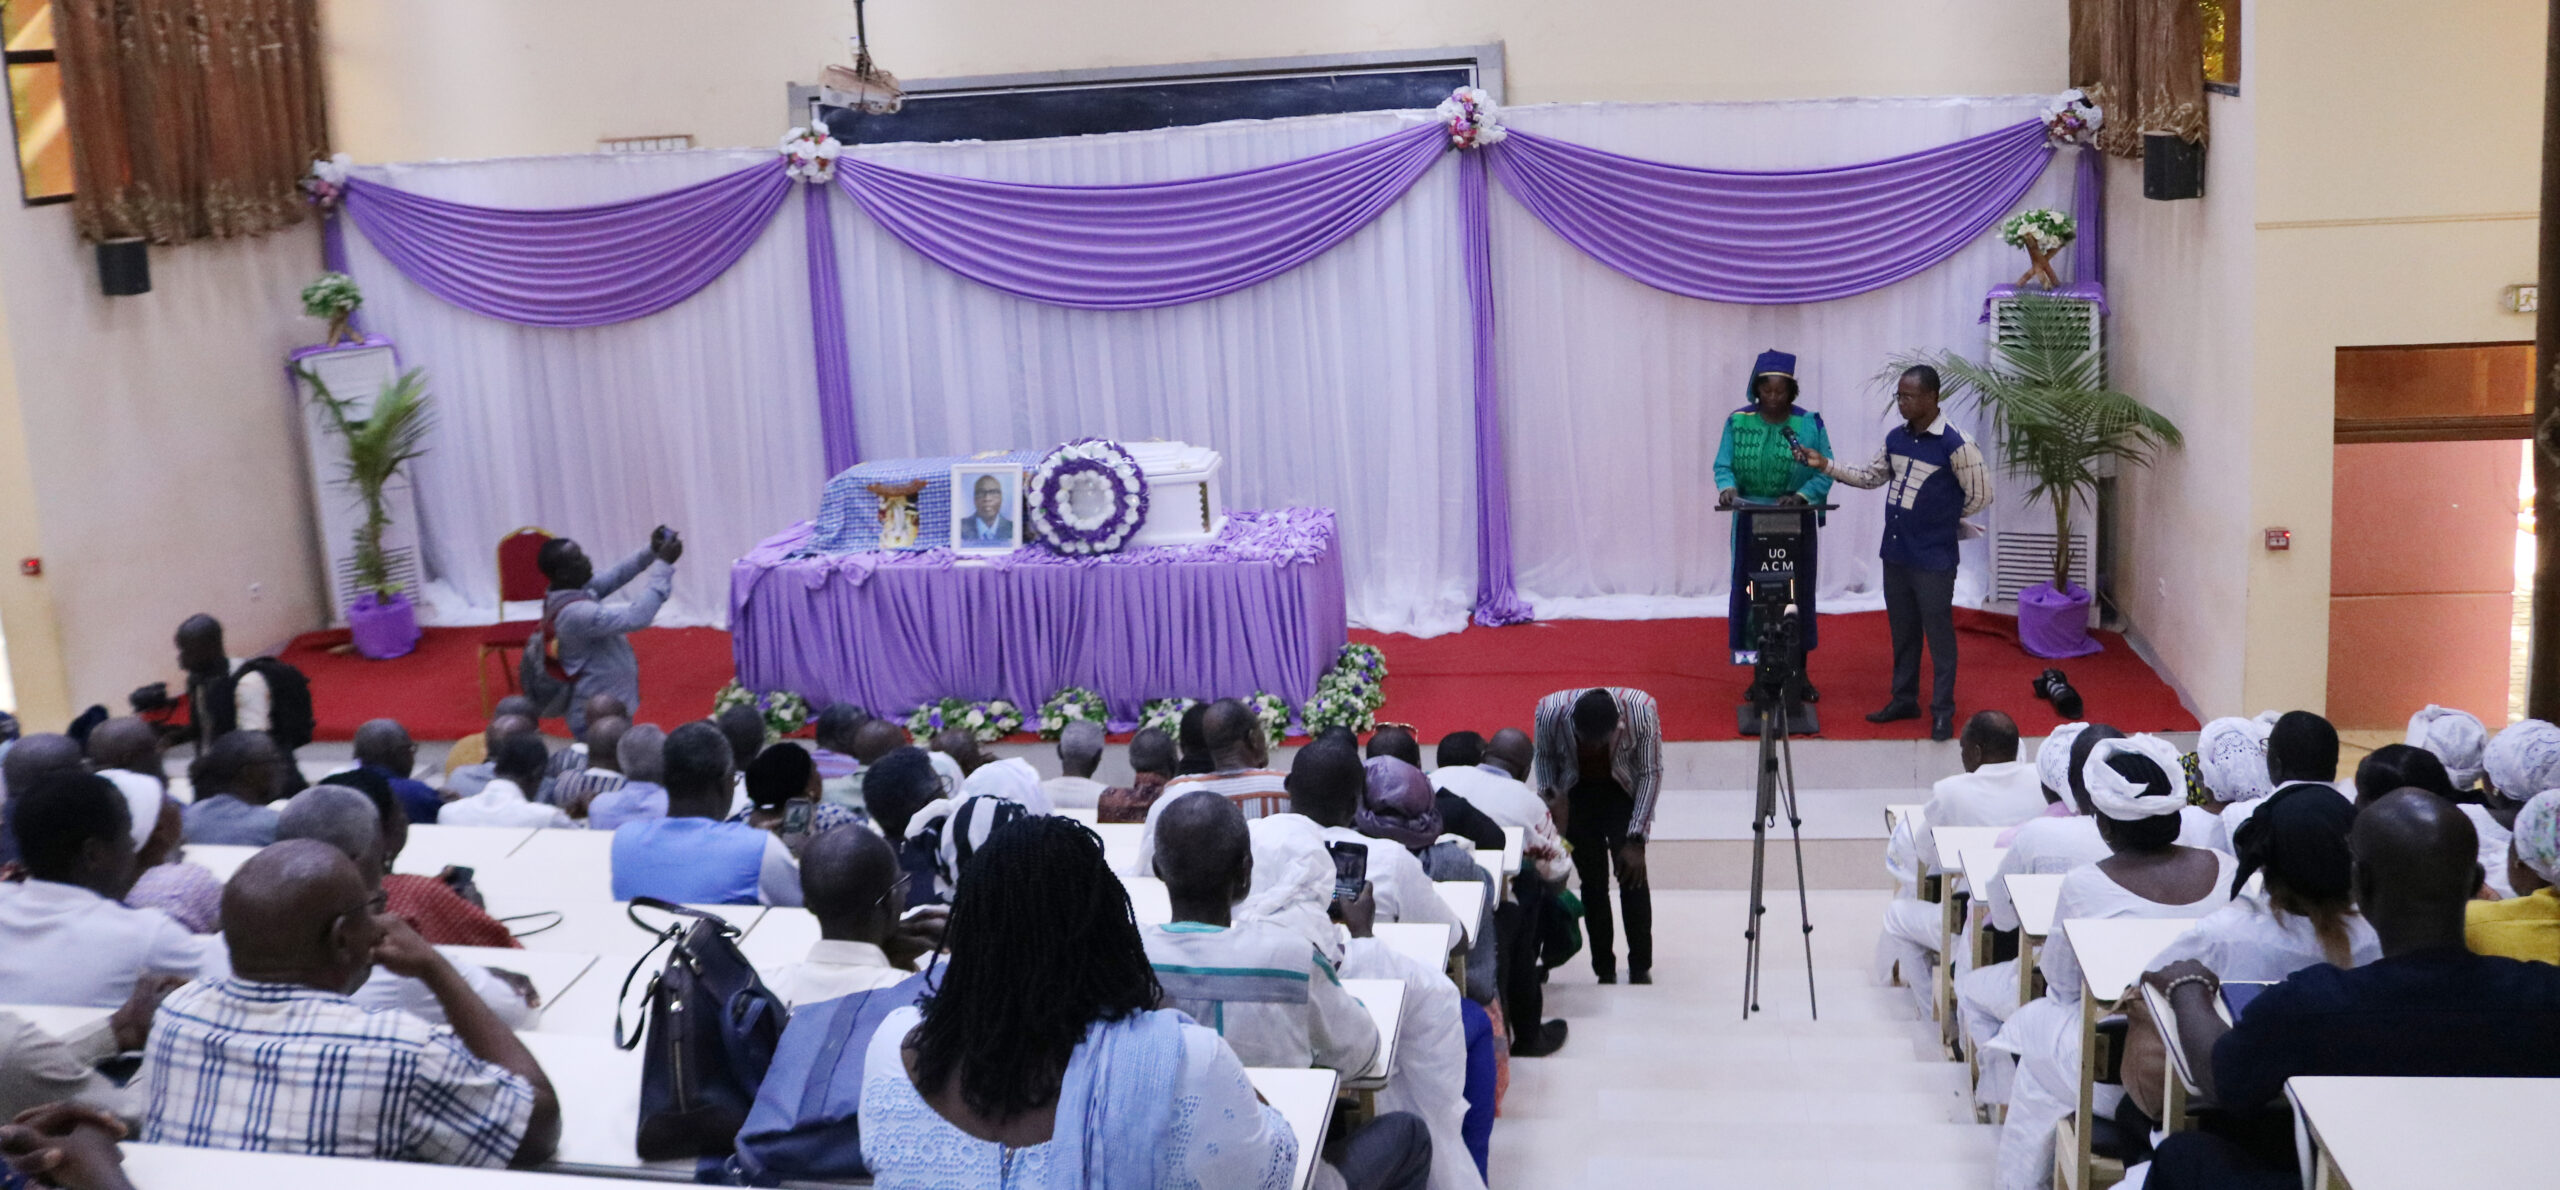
2055	623
383	628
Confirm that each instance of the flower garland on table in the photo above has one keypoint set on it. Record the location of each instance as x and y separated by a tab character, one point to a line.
812	156
2042	232
1273	711
1473	119
1165	714
1349	694
1075	704
1336	706
1085	468
783	711
326	184
989	721
2073	118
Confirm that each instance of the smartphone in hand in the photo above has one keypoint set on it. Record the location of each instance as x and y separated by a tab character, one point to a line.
1350	869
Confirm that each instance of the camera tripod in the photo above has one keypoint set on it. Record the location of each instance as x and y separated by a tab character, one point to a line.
1776	688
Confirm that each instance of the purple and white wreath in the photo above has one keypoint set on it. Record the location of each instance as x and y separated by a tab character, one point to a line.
1088	497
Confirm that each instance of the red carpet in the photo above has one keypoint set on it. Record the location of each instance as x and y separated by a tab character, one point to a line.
1480	679
1485	678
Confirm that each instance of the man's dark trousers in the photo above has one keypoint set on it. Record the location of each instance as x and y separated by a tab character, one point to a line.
1922	604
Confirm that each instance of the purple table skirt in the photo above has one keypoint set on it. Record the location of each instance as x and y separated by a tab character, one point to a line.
1258	609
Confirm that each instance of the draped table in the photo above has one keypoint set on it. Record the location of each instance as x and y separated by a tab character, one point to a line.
1258	609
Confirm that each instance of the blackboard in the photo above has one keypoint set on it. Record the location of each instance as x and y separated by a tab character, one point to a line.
1140	105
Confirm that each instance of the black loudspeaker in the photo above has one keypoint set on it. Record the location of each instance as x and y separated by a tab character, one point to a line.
124	267
2171	168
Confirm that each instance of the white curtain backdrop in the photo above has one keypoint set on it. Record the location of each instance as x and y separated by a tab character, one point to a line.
1614	393
1345	383
703	416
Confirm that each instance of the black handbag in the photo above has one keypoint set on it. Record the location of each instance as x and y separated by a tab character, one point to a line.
711	1028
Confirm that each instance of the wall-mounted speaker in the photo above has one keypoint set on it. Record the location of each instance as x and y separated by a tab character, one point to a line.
2171	168
124	267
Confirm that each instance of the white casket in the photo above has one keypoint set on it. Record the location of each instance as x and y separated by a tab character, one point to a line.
1185	497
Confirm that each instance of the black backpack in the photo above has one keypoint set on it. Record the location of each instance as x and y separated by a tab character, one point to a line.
711	1028
290	721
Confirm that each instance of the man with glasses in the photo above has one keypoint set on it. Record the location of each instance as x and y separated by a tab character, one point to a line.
851	881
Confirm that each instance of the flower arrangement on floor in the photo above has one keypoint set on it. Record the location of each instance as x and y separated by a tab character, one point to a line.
1473	119
812	155
1075	704
1088	497
991	720
1273	711
1165	714
2042	232
1337	706
1349	694
784	712
2073	118
334	296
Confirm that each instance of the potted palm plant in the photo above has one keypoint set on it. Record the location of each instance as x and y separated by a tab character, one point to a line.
377	445
2059	427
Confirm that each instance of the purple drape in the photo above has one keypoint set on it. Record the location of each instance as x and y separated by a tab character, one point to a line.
2089	211
1497	599
1772	238
1137	246
826	325
571	266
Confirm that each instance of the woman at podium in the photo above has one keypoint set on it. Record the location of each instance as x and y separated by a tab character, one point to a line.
1756	464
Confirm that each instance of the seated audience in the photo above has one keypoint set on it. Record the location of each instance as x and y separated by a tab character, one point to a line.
1457	816
2045	846
64	936
277	1058
2394	767
692	855
850	741
1079	753
1013	1064
129	747
1240	756
600	771
1599	753
188	892
579	755
1995	789
37	1068
2527	925
71	1145
1277	1000
1151	757
2428	1007
995	794
894	789
444	908
1397	804
235	780
466	766
24	763
1326	785
2457	738
956	754
2303	747
2231	759
384	746
517	759
2136	786
782	789
347	819
850	881
2521	761
1191	731
1498	786
641	755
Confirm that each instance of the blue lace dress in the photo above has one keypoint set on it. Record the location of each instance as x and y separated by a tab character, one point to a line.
1222	1135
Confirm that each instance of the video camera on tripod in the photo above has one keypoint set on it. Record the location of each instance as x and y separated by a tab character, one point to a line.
1773	538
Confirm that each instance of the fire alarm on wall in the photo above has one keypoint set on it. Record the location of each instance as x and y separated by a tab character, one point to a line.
31	566
2279	539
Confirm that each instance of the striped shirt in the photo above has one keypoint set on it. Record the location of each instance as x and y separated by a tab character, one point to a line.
1267	991
1635	761
282	1068
1972	474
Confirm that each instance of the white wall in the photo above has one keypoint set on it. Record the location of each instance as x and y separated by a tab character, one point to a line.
483	78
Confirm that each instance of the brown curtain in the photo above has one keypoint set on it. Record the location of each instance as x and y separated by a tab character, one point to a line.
2143	61
190	119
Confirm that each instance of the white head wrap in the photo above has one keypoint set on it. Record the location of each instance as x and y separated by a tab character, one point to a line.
2053	758
2537	838
947	769
2232	754
1014	780
2524	760
1292	881
141	800
2456	737
2116	796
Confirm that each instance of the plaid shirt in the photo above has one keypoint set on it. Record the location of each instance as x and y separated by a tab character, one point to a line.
281	1068
1635	758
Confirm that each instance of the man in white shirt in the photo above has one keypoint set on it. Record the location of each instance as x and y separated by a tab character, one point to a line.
1079	754
1500	788
64	938
850	880
519	759
1325	786
1995	789
1238	754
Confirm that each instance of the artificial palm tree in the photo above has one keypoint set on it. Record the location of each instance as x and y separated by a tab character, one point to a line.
376	447
2044	389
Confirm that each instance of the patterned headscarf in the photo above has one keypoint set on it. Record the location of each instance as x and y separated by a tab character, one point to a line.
2537	837
2232	753
2524	760
2456	737
2053	759
2116	796
1398	804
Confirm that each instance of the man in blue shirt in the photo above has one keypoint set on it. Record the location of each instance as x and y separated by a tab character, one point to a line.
1937	479
384	746
691	855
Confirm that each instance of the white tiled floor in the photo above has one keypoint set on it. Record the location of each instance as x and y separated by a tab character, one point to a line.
1668	1086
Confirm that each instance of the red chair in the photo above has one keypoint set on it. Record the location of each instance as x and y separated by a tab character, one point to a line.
519	580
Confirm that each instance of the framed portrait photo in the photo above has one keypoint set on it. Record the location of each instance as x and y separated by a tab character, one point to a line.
986	508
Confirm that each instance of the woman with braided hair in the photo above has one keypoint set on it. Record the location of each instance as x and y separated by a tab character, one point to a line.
1041	1059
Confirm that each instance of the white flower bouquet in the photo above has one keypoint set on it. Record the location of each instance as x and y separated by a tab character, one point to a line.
811	155
1165	714
783	711
1075	704
1473	119
1335	706
1273	711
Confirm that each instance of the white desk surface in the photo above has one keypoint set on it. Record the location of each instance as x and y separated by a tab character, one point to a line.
1464	898
553	865
1305	1099
1120	845
599	1090
2034	896
59	1020
1978	865
1515	850
1425	942
601	931
1084	814
2395	1133
172	1167
1953	841
599	926
2115	951
781	937
431	849
553	972
221	861
1384	998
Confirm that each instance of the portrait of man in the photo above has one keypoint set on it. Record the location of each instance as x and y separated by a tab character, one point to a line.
983	518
